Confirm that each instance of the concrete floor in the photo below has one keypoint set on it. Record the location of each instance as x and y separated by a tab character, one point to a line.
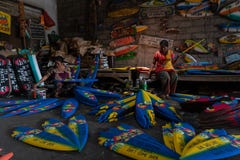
92	150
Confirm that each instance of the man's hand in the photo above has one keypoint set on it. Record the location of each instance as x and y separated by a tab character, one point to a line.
35	86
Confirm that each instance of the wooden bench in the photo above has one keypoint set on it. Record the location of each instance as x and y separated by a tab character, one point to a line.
210	78
119	75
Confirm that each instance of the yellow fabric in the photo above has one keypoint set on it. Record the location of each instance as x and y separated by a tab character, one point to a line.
195	141
207	145
138	153
168	136
168	64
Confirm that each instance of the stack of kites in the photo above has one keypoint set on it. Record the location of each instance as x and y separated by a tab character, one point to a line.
90	96
69	106
180	142
144	105
55	134
221	113
26	107
214	111
195	103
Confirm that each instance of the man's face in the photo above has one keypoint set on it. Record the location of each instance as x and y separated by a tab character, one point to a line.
163	49
57	63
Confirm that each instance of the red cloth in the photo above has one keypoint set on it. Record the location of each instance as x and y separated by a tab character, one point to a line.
48	21
160	60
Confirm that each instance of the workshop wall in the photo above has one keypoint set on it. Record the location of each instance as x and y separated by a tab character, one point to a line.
72	18
50	7
33	10
90	20
188	28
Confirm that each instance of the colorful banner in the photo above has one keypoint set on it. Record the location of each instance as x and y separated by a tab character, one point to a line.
5	23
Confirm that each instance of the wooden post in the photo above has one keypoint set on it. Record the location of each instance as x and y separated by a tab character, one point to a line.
22	22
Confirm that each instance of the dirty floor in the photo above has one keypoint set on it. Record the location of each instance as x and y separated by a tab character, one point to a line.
92	150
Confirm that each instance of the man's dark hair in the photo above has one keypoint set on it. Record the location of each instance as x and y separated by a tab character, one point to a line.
58	58
164	43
